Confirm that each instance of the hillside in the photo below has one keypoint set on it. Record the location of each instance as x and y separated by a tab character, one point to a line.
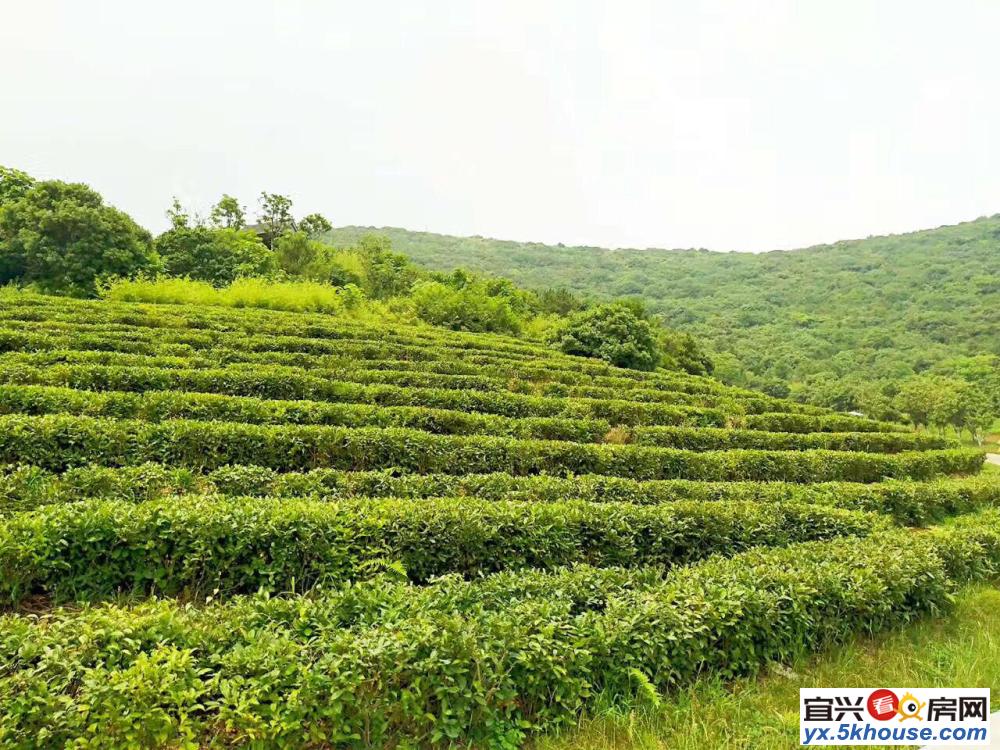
290	529
825	319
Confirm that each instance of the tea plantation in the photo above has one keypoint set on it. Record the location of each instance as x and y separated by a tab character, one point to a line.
226	527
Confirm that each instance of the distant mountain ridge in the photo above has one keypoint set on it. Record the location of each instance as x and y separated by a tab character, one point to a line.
854	311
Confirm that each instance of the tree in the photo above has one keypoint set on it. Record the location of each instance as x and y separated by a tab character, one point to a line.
977	412
681	351
875	399
916	399
275	216
612	332
388	274
13	184
218	256
294	252
937	400
63	237
228	213
178	215
314	225
947	403
560	301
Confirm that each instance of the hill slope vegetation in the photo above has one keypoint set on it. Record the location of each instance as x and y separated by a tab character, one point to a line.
230	527
827	324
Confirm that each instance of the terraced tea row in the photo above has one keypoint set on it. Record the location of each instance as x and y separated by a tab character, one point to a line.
418	514
201	545
62	441
911	503
442	373
217	324
289	383
555	641
160	405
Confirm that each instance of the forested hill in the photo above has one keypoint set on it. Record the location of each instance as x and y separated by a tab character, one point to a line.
828	317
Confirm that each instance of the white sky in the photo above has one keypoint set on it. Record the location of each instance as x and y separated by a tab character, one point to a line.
730	124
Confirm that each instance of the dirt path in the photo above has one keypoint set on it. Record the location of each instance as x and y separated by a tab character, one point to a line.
993	458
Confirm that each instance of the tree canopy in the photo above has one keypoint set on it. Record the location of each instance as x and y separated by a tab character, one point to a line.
62	237
838	325
215	255
612	332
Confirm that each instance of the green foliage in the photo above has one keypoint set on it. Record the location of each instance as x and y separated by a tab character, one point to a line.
62	441
218	256
63	238
178	215
340	268
613	333
199	545
369	664
559	301
228	214
936	400
158	405
277	382
364	525
388	274
877	310
302	296
294	252
681	351
909	503
14	184
314	224
469	308
275	216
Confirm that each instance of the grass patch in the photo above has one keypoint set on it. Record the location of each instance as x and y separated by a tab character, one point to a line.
294	296
961	650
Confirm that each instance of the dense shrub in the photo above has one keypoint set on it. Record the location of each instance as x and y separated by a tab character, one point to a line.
789	422
203	544
159	405
470	308
289	383
368	665
613	333
722	439
302	296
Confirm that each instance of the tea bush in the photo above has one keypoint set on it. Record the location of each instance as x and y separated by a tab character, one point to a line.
295	529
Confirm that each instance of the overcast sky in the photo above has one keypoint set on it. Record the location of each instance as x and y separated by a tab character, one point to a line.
731	125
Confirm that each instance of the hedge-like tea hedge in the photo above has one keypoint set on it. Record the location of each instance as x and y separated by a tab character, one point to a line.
787	422
25	487
229	545
162	675
219	322
385	536
424	374
541	376
160	405
706	439
288	383
60	441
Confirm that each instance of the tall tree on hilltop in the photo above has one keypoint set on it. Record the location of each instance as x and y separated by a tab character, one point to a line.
228	213
275	216
315	224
